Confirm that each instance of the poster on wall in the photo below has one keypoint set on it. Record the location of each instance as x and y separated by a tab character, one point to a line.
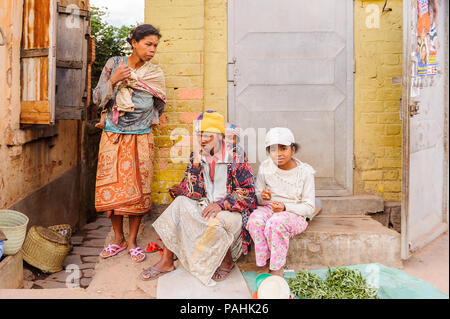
427	40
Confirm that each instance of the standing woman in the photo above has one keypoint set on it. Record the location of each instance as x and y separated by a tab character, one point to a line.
131	93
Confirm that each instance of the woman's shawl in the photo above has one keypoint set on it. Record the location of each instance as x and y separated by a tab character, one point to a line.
148	79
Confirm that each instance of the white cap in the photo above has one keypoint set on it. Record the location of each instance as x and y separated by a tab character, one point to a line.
279	135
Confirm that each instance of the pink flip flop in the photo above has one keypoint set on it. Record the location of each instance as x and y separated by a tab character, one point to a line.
135	252
113	250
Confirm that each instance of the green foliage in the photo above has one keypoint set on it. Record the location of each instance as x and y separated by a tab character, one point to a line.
341	283
109	41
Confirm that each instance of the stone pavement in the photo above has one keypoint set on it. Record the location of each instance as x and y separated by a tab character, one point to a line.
87	245
118	276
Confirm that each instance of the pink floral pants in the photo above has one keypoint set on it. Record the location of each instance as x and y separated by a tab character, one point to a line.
271	233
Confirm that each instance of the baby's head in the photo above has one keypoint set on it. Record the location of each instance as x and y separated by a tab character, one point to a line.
232	134
280	145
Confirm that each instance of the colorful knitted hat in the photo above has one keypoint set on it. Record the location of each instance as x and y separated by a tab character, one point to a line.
210	121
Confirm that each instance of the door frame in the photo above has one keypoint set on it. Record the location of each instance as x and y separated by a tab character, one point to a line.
231	90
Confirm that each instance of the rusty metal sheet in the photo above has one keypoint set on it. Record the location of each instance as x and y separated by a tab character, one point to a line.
35	79
38	62
36	24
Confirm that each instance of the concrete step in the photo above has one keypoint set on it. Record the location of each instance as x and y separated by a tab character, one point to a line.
351	205
342	241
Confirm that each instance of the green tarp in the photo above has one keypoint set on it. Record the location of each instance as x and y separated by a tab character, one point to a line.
392	283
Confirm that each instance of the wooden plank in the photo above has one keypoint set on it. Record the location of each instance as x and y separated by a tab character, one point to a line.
75	10
35	112
82	4
71	71
34	53
36	106
66	64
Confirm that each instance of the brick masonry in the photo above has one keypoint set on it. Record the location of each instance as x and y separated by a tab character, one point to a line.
193	44
377	131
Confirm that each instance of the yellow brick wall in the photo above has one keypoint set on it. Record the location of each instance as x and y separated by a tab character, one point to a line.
193	55
377	125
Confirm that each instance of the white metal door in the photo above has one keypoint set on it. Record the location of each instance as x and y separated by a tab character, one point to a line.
291	65
425	123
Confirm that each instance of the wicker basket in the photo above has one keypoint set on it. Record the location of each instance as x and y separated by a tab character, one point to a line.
45	249
14	226
64	229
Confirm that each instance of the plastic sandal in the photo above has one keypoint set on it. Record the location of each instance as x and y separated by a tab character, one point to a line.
152	247
112	249
223	273
135	252
152	273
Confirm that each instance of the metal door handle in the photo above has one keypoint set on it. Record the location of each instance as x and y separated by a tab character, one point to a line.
231	71
2	35
413	108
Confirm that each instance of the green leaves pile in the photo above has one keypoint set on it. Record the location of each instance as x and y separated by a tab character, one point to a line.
341	283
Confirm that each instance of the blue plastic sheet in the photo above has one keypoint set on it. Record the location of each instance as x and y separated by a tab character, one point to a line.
392	283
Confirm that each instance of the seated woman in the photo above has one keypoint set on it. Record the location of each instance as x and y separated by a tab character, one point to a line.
204	225
285	194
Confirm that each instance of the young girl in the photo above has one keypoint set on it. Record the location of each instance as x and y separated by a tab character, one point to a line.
286	198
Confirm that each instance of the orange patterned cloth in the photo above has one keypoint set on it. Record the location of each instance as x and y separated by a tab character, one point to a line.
124	174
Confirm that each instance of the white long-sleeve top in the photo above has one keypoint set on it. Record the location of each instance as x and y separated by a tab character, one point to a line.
294	187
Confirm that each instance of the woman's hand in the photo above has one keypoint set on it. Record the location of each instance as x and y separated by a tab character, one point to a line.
278	207
122	72
211	211
266	194
175	191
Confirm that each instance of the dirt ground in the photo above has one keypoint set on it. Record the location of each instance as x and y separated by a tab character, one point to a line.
431	263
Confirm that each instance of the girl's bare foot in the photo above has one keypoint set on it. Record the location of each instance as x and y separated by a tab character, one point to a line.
263	269
120	241
279	272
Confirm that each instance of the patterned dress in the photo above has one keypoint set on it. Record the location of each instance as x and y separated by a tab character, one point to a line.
125	160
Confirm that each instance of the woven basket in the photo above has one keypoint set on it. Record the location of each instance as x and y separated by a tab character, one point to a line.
14	226
45	249
64	229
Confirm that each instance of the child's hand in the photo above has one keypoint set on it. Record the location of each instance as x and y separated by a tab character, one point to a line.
266	194
122	72
278	207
